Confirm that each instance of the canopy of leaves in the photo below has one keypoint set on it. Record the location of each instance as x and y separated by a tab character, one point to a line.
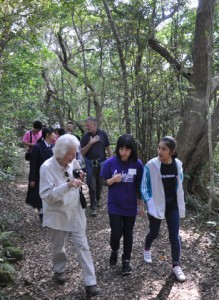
59	60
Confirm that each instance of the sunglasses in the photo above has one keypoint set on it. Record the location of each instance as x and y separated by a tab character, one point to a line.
67	175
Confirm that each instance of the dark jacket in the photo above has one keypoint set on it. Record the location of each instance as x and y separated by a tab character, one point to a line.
40	153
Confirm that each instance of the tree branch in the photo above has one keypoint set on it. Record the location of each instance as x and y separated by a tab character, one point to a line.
169	15
156	46
50	86
64	52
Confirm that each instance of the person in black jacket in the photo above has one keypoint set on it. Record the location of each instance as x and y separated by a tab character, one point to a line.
41	151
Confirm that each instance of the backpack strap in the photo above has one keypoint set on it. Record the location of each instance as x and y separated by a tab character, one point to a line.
30	138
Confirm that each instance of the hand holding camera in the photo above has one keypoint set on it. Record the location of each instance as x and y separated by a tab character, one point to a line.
75	183
79	173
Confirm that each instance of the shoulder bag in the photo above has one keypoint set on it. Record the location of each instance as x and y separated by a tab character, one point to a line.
28	152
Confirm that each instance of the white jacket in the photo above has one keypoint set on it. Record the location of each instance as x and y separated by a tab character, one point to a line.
153	192
61	206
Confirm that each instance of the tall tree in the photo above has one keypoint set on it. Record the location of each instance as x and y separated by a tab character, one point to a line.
193	133
123	66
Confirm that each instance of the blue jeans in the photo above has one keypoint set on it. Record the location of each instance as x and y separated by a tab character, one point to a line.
122	226
94	182
172	219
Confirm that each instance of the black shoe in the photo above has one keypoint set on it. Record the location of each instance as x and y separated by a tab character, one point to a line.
60	277
92	290
93	212
113	258
126	269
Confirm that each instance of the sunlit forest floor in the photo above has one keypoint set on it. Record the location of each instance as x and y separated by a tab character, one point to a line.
33	276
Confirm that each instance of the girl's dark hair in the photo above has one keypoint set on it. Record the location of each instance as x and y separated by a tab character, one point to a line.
127	141
61	131
45	131
170	142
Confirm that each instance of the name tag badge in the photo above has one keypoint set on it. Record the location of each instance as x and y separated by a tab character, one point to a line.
132	171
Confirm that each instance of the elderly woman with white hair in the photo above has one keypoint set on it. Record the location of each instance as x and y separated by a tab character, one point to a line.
62	210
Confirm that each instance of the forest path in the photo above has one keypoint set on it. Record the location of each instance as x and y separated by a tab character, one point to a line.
147	282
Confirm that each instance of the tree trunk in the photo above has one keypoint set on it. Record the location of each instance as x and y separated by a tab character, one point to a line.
194	121
79	36
198	134
123	67
65	58
192	138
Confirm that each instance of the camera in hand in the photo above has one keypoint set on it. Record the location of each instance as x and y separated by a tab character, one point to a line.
77	173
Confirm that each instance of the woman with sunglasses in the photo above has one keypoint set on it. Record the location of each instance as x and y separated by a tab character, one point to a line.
63	213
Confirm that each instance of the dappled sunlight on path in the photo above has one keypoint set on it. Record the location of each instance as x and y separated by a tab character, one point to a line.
147	282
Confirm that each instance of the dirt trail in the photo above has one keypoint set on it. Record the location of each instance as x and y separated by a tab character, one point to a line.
147	282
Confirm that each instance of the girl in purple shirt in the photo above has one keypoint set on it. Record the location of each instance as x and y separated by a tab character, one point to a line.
122	174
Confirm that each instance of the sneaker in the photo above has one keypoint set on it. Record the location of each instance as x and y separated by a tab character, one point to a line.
177	271
60	277
147	256
126	269
93	213
92	290
113	258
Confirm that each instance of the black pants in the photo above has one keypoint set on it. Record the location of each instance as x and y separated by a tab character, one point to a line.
122	226
172	219
94	182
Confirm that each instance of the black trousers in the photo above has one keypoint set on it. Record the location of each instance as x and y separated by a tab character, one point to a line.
172	219
122	226
95	185
94	182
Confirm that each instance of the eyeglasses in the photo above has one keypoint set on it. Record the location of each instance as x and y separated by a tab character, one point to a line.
67	175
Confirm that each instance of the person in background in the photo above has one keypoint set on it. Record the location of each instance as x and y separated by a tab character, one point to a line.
70	127
122	174
94	145
63	212
41	151
70	130
59	131
32	136
162	191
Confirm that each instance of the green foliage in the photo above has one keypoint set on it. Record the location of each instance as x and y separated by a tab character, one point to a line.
7	267
6	277
3	297
156	92
8	219
7	152
4	236
13	254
